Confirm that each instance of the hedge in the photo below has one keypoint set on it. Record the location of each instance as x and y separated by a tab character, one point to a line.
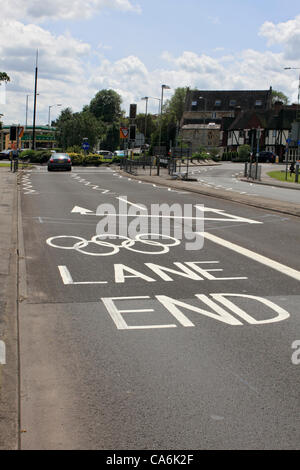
42	156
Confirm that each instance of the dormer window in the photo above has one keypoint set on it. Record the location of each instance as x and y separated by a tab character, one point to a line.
218	103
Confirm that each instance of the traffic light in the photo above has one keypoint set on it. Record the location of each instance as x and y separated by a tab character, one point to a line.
13	133
132	132
132	111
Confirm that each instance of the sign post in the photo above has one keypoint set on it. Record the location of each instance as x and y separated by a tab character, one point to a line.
85	145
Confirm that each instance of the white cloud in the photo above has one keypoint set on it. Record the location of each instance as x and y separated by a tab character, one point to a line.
61	68
37	11
66	75
286	34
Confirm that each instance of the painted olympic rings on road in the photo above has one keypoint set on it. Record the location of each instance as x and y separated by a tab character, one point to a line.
127	243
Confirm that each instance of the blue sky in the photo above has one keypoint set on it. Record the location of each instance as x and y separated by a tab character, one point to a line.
177	26
133	46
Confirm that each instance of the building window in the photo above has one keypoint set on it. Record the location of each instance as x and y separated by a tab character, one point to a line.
214	115
232	103
258	103
218	103
274	132
194	103
241	133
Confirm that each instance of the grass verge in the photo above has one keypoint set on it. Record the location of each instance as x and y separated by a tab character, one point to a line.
280	176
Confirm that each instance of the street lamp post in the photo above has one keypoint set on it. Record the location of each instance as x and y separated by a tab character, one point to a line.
26	116
146	98
163	87
298	113
205	100
49	112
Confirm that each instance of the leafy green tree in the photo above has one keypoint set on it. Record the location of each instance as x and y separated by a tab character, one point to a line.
106	105
175	105
279	96
244	152
4	77
71	128
112	139
151	125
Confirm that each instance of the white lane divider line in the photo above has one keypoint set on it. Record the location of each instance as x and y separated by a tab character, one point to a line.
283	269
131	203
2	353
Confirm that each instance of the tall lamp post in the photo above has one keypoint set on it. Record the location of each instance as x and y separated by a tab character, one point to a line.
205	105
52	105
26	116
35	95
298	112
163	87
146	98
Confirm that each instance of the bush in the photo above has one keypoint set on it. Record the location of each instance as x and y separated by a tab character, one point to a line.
92	159
200	156
75	149
76	158
243	153
36	156
26	154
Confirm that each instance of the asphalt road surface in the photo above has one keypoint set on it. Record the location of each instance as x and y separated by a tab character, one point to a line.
225	177
168	343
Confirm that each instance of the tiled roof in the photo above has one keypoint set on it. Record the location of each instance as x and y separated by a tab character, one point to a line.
269	119
227	100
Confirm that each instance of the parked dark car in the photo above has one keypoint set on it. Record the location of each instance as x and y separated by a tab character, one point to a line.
60	161
5	154
266	157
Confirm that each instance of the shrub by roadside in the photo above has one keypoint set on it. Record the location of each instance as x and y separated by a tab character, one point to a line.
78	159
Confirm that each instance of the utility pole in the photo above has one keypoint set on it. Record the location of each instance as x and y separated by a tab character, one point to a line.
34	106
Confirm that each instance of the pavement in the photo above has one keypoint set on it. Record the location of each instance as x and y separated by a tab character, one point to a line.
9	395
284	207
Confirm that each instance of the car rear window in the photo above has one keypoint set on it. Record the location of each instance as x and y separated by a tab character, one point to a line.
60	156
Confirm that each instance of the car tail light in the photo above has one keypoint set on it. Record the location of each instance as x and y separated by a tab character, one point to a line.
51	160
69	160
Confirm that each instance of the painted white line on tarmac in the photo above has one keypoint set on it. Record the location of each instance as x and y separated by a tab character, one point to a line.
2	353
132	204
254	256
68	280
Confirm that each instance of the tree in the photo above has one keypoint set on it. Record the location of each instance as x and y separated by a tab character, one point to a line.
244	152
71	128
4	77
106	105
151	125
175	105
279	96
112	138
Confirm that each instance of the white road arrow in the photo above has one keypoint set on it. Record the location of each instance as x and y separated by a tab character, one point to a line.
81	210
